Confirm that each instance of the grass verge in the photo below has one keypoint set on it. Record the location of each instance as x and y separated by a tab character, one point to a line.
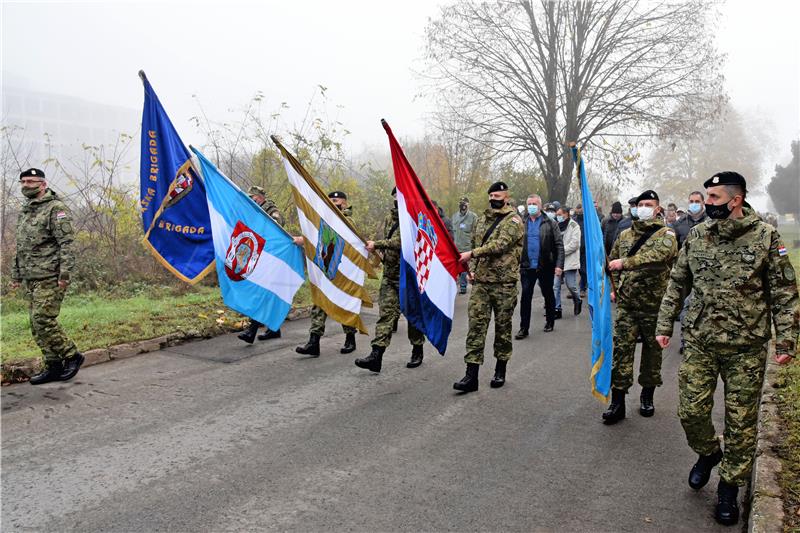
102	320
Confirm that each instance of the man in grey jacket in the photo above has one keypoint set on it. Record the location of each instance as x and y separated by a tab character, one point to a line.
464	222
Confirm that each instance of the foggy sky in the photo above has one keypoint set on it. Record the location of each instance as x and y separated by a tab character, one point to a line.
364	52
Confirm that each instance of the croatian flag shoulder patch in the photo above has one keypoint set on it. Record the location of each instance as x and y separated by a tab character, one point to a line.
782	250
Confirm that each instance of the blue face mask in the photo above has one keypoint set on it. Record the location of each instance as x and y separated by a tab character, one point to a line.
533	209
695	208
550	215
560	219
634	211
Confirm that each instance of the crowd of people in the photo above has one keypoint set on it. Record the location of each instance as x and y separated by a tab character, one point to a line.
715	266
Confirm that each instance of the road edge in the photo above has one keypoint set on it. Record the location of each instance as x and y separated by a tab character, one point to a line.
20	371
766	505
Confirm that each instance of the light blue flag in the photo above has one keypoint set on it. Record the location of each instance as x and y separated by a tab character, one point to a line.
258	265
599	294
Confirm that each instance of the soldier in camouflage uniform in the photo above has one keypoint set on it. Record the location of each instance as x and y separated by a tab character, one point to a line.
494	261
318	315
640	260
741	276
389	298
42	264
259	196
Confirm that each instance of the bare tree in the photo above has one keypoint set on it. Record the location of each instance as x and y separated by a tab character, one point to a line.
530	75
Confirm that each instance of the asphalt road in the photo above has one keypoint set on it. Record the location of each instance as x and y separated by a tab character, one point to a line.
221	436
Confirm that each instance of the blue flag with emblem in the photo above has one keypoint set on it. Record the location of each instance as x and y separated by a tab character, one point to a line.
172	200
599	295
259	266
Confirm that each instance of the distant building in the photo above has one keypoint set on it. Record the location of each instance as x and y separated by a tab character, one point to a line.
70	123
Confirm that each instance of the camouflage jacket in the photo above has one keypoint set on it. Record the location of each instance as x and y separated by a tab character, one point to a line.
390	245
272	210
497	261
740	274
44	240
643	279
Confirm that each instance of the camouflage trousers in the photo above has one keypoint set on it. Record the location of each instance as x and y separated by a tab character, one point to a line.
389	312
627	327
485	299
742	373
318	318
44	298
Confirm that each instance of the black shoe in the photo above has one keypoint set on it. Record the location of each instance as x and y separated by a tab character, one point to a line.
462	291
701	471
647	408
557	315
469	383
71	367
521	334
249	335
499	378
416	357
52	372
269	334
372	361
311	347
349	343
615	411
576	307
548	327
727	510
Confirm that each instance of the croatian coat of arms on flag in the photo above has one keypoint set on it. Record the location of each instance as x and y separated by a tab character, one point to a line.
424	249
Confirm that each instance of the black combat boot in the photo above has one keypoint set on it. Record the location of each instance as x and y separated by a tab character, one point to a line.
615	411
647	408
469	383
71	367
249	335
521	334
372	361
558	315
311	347
349	343
548	327
499	378
269	334
52	372
727	510
701	471
416	357
576	307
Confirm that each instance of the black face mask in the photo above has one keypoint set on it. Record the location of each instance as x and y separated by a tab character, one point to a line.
462	207
718	212
497	204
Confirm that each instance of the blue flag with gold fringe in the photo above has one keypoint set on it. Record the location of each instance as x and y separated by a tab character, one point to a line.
172	200
599	295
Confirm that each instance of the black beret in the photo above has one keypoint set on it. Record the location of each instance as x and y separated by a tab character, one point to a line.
647	195
337	194
727	177
497	186
32	173
616	207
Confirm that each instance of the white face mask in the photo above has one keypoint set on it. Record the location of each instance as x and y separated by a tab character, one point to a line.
645	213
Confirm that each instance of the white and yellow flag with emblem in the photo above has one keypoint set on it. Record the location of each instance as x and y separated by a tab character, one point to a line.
337	260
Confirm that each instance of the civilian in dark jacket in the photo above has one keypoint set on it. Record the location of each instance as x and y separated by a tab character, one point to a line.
542	259
696	215
610	224
627	222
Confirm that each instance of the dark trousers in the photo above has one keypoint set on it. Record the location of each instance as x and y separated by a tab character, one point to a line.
529	278
582	270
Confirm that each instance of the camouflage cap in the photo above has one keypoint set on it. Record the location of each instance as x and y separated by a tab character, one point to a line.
32	173
255	189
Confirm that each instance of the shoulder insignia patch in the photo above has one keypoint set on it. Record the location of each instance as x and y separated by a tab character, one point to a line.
61	215
782	250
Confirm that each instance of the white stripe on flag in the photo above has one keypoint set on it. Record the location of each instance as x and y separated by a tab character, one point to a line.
337	296
347	268
441	287
323	210
270	272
